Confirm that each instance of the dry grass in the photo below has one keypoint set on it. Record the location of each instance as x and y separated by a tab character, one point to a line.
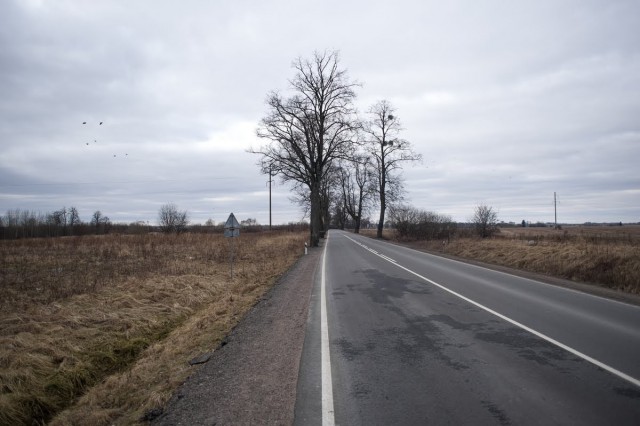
604	255
99	330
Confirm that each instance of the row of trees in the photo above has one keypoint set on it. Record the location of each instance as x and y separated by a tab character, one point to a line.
416	224
316	140
413	223
341	164
17	223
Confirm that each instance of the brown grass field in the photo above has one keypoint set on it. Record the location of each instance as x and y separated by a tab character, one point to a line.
100	329
607	256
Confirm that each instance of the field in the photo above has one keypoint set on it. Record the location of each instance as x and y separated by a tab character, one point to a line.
101	329
607	256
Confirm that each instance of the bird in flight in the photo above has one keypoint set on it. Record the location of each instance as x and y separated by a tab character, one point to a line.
84	122
101	123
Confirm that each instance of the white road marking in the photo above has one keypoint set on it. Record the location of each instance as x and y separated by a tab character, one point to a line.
327	385
387	258
586	357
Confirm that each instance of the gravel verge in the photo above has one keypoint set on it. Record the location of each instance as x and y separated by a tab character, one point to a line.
252	377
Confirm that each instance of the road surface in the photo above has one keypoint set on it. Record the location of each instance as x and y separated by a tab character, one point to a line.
397	336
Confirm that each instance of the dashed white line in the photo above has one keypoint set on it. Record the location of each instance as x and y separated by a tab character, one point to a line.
586	357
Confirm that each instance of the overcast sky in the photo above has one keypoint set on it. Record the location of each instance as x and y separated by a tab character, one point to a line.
507	101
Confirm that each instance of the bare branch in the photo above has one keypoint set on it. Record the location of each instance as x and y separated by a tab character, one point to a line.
312	128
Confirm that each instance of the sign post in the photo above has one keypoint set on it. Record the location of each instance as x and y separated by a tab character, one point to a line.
232	230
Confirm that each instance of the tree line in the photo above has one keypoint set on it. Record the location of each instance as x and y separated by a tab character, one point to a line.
17	223
341	164
344	165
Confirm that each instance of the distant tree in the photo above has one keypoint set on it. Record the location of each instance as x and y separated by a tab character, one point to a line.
171	219
310	129
100	223
412	223
249	222
357	186
339	216
59	219
485	221
209	222
74	218
389	153
96	219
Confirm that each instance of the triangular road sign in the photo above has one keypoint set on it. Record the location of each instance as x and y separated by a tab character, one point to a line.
232	222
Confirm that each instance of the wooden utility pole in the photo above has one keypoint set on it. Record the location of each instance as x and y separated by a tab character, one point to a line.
555	211
270	198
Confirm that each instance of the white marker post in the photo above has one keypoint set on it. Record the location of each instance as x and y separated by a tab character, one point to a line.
232	230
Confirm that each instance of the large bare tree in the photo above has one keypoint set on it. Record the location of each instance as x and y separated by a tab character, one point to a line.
310	129
389	153
356	181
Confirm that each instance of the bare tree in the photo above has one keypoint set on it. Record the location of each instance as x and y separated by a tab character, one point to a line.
74	218
59	220
389	153
310	129
357	188
485	220
416	224
100	222
301	195
96	218
339	215
171	219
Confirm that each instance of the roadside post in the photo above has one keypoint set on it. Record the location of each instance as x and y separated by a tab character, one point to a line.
232	230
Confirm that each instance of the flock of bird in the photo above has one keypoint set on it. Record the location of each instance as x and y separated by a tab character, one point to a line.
96	141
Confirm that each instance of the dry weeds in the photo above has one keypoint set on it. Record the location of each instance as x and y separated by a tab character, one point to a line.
603	255
99	330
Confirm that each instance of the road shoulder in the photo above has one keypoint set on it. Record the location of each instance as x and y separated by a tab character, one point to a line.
252	379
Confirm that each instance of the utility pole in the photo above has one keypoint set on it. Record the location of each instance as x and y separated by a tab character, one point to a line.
270	198
555	211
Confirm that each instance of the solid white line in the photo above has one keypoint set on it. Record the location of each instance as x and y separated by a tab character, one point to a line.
516	323
327	385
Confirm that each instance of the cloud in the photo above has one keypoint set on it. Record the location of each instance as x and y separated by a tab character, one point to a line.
507	102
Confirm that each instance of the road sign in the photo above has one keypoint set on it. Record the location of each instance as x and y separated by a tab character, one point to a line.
232	227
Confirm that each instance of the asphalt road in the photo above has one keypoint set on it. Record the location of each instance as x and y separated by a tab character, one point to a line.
412	338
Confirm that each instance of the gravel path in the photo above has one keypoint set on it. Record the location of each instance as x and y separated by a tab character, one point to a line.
252	378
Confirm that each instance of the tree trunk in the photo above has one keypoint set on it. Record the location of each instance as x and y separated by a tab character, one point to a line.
316	215
359	215
383	207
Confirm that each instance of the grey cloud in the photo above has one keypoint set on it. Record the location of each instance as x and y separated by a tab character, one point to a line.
508	102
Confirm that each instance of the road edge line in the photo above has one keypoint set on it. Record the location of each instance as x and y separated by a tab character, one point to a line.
328	418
